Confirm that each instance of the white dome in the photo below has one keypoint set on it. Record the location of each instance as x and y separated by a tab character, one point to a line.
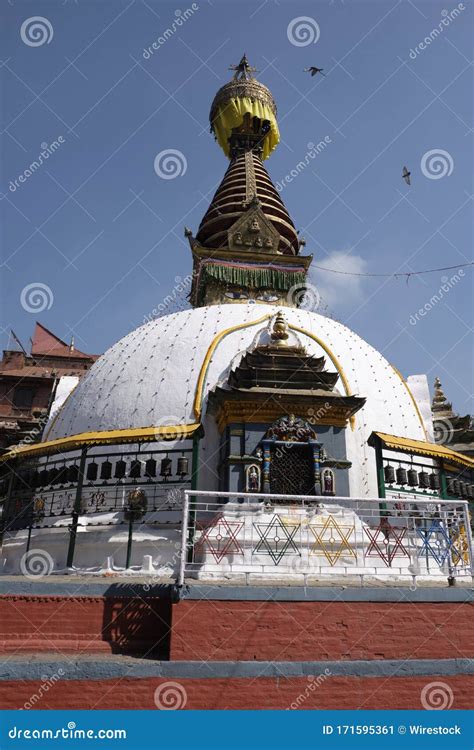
150	377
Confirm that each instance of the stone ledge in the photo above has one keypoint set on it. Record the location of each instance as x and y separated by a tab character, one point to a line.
77	587
100	668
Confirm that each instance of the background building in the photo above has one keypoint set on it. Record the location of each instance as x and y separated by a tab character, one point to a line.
30	383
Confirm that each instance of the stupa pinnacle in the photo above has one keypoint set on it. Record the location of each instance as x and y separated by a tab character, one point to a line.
247	246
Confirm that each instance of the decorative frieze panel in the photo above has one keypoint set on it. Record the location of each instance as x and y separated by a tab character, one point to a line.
347	536
253	231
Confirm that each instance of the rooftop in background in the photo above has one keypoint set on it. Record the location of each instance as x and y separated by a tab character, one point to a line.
28	382
46	343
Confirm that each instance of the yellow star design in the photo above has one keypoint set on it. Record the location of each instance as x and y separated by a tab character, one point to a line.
332	539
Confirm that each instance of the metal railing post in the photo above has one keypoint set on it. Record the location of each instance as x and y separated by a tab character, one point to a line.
28	541
191	518
184	540
467	522
7	504
129	541
444	515
77	510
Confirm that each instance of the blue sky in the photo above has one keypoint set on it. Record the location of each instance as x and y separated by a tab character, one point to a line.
103	232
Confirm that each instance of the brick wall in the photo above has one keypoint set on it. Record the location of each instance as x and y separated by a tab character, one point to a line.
307	631
262	693
235	631
84	624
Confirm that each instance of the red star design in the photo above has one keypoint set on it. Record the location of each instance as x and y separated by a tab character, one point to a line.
389	533
220	537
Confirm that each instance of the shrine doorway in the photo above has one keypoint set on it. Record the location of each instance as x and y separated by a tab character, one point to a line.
292	469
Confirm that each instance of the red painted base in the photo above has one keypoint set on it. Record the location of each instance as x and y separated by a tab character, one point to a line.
311	631
33	624
263	693
235	631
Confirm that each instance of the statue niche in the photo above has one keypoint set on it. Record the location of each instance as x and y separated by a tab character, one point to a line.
253	231
329	487
252	478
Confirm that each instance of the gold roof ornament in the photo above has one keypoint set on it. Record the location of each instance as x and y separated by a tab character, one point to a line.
441	407
243	70
279	334
244	106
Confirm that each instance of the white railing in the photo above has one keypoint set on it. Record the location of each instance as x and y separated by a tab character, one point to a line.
229	535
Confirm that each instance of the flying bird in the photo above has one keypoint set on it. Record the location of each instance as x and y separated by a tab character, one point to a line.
406	175
313	70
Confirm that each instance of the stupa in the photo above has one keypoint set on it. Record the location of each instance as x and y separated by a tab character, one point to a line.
245	493
309	446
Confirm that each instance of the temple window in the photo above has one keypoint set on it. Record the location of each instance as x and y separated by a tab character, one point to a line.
23	397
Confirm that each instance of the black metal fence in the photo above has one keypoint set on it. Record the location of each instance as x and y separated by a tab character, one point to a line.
107	488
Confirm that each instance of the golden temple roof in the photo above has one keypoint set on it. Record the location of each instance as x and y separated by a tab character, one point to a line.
422	448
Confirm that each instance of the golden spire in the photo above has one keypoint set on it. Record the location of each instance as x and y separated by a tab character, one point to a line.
243	70
243	114
441	407
279	334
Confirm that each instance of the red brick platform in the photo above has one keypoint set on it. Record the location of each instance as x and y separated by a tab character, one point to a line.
392	646
262	693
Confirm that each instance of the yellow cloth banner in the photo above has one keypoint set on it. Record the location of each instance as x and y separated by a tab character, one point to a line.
231	115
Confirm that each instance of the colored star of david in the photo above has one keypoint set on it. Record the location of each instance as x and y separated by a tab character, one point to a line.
332	539
380	538
435	541
220	538
276	538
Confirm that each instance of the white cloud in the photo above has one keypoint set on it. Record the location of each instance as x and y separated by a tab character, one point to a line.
336	289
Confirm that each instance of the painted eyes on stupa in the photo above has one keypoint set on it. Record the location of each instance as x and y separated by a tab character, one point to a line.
233	294
242	294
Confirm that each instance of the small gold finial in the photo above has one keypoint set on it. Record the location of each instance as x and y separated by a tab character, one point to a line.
243	71
279	333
